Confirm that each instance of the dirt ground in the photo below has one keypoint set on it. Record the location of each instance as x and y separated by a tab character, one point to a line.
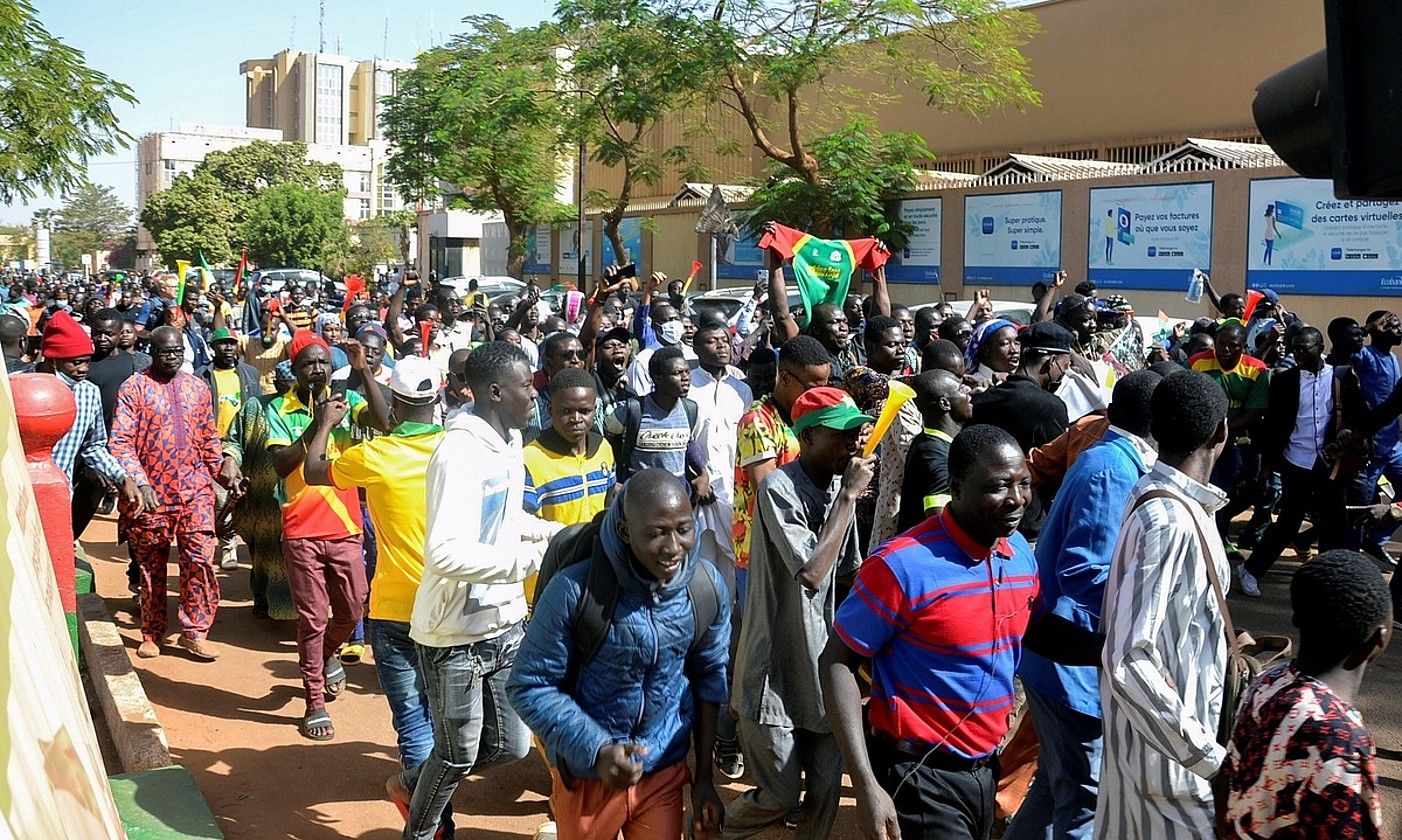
233	724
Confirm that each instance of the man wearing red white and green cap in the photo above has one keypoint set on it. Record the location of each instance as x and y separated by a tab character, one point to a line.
231	384
804	539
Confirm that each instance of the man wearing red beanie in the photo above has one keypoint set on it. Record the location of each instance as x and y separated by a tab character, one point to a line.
67	352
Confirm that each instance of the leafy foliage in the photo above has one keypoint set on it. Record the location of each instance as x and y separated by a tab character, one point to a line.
294	225
208	210
862	171
383	239
627	75
94	209
55	111
481	114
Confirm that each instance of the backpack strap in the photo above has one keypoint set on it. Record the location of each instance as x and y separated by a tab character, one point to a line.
693	412
1229	627
632	425
705	605
597	603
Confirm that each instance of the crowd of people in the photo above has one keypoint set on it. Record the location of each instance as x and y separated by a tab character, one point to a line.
977	566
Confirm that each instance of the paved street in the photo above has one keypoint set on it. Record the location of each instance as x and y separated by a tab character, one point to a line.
233	723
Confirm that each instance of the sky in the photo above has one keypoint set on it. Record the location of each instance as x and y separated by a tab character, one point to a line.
181	57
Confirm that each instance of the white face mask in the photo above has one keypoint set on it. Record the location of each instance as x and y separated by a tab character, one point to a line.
671	332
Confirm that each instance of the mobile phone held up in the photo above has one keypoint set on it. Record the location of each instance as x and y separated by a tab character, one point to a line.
627	271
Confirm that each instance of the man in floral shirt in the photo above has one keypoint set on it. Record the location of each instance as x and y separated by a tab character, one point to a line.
1300	764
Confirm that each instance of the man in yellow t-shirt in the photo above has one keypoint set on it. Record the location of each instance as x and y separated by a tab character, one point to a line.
392	469
570	468
230	384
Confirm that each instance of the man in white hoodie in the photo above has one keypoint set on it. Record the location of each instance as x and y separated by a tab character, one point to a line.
470	611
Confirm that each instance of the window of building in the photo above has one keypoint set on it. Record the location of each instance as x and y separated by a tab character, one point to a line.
365	186
168	175
330	102
364	209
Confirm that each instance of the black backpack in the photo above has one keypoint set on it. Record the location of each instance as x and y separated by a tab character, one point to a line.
599	597
633	423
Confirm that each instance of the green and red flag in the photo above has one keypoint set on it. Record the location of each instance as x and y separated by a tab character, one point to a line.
823	267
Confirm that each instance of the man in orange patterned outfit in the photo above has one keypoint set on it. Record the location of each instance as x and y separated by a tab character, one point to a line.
163	437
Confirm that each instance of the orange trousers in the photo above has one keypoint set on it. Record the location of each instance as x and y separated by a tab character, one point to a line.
650	810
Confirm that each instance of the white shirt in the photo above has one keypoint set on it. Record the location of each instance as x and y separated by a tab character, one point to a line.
1163	665
721	402
1316	406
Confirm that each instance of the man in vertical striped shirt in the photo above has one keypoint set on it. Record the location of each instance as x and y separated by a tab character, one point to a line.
942	613
1165	651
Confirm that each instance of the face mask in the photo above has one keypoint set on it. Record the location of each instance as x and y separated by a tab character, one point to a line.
671	332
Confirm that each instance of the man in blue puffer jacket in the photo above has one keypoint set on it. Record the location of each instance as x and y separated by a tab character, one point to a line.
617	737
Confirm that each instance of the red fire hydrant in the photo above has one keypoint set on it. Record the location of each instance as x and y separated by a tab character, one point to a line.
45	410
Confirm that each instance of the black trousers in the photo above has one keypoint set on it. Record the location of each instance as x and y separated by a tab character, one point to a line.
88	490
933	803
1302	492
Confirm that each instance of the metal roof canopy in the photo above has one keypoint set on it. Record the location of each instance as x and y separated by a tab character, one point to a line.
694	192
1027	169
1199	154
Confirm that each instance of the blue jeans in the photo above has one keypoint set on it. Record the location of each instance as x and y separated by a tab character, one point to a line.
473	723
369	549
1385	462
1061	801
397	664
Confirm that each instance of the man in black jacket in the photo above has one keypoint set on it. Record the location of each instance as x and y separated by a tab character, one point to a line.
230	382
1309	404
1024	404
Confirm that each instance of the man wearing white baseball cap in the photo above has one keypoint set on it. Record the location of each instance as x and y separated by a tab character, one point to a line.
392	468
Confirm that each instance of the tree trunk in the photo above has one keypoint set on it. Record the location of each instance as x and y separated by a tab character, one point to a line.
516	248
611	225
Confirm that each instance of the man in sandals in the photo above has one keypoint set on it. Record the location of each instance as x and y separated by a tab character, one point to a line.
321	526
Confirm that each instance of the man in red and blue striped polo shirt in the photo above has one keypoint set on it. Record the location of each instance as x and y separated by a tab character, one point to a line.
942	613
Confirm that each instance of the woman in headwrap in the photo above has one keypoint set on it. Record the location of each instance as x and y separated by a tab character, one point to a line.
993	351
257	517
869	390
329	327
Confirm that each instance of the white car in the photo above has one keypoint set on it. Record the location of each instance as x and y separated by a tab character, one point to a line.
492	286
1018	313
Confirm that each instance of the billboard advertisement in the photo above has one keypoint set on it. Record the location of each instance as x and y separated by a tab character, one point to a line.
740	259
1302	239
1149	237
569	256
630	230
1012	238
539	259
919	260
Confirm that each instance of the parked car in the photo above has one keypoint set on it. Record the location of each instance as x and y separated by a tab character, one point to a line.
1015	311
731	300
492	286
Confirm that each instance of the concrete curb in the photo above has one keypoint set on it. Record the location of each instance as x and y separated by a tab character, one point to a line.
138	736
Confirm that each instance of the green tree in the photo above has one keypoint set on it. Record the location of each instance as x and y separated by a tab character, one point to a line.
55	111
16	242
626	76
864	171
370	242
962	55
482	115
293	225
204	210
195	215
93	210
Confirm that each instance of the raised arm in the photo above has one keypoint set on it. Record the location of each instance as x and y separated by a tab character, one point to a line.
1044	303
880	293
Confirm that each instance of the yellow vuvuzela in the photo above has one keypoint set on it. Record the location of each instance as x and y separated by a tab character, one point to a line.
898	395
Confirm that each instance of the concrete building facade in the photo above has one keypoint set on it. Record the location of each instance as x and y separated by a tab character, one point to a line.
162	155
318	97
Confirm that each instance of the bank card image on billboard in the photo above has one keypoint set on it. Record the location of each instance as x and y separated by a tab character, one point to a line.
919	260
630	230
539	256
1301	239
1012	238
1149	237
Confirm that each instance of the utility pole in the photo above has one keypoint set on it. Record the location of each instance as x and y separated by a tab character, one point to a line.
583	271
321	28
